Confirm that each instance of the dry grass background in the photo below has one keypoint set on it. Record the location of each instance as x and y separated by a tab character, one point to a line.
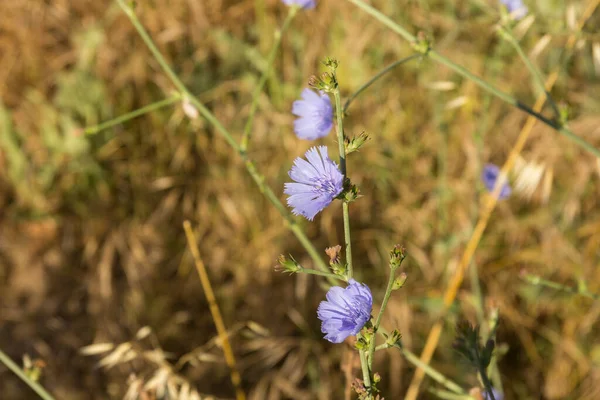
91	243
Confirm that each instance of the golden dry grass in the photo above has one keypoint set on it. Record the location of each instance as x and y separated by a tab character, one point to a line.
91	244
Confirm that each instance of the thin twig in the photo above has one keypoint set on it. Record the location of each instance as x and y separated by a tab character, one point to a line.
92	130
265	75
214	311
539	281
377	76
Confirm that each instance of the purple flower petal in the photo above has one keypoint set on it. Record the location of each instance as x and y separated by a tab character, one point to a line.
346	311
318	182
315	115
489	176
305	4
516	8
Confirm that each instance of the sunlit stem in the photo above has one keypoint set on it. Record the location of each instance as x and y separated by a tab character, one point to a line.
538	80
36	387
386	297
365	372
377	76
91	130
539	281
250	166
320	273
265	76
342	149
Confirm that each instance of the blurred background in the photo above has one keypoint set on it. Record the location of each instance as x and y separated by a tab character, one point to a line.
92	248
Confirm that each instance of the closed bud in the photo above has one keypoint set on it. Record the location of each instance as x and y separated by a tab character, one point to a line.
422	44
399	281
325	82
350	192
356	142
397	255
393	339
331	63
376	377
288	265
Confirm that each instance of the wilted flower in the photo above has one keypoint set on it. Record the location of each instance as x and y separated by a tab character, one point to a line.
306	4
315	115
516	8
317	182
346	311
489	176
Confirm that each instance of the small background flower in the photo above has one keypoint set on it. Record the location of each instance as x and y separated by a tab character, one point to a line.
346	311
317	182
497	395
516	8
306	4
489	176
315	115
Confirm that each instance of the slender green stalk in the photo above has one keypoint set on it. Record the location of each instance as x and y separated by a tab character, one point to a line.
430	371
365	371
92	130
377	76
434	55
449	396
265	75
487	384
386	297
36	387
539	281
251	168
533	70
342	149
320	273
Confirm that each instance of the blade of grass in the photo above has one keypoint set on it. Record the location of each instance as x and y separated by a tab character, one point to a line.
265	75
376	77
236	379
36	387
92	130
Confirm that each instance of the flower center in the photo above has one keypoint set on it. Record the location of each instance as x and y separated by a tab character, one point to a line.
324	185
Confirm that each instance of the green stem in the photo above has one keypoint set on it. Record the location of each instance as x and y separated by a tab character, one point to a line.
342	149
386	297
539	281
320	273
36	387
430	371
533	70
434	55
265	75
92	130
365	372
487	384
377	76
250	167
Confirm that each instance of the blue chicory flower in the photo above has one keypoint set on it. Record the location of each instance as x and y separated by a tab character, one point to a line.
346	311
489	176
305	4
317	182
315	115
497	395
516	8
